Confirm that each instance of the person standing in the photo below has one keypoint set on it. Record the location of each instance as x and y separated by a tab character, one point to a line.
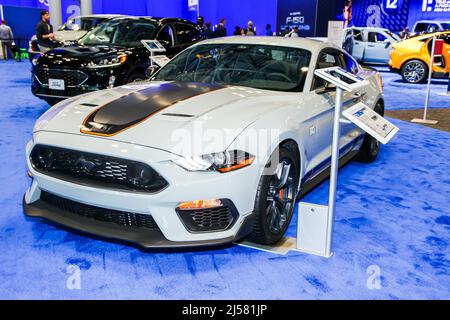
293	33
44	32
237	31
269	31
200	26
221	31
249	31
348	13
7	39
208	31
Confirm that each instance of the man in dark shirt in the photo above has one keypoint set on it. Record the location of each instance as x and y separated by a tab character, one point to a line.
221	31
44	31
208	31
201	27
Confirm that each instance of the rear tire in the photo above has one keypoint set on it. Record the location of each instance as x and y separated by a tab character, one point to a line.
275	198
371	146
414	71
52	102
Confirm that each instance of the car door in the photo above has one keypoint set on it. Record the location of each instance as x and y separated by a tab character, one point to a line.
358	44
377	48
322	118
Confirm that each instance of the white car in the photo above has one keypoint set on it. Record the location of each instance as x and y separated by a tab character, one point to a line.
426	26
369	45
215	148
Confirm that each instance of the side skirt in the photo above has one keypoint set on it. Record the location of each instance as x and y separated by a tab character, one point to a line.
307	187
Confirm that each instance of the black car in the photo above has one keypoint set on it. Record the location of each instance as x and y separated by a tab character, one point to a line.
110	55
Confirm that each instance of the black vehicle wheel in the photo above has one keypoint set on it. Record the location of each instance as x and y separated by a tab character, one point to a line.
371	146
275	198
135	77
414	71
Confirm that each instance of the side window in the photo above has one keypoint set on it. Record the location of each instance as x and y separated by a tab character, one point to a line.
186	34
381	37
358	35
350	64
432	27
421	27
326	59
165	36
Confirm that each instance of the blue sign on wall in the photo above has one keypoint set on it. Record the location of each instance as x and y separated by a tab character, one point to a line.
302	14
428	10
390	14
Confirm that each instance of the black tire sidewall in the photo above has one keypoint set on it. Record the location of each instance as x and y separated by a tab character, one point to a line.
267	236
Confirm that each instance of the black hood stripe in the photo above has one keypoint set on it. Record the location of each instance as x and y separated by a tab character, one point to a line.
138	106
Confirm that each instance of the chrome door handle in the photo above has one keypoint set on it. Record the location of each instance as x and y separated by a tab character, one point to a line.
358	95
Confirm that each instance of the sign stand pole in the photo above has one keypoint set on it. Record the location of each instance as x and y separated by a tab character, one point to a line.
427	99
334	170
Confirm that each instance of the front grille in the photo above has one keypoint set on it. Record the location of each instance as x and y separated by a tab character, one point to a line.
96	170
122	218
72	78
211	219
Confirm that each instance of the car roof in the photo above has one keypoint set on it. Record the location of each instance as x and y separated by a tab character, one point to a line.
432	21
300	43
153	19
368	28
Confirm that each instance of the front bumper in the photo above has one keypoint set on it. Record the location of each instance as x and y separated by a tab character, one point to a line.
239	187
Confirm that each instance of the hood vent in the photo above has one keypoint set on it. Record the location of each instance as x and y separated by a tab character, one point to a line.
89	104
182	115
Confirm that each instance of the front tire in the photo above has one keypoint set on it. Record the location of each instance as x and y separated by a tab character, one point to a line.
135	77
414	71
275	197
371	146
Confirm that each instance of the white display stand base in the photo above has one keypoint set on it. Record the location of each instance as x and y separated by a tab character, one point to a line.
424	121
311	238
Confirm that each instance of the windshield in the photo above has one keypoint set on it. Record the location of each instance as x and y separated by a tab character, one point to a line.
256	66
81	24
124	33
394	36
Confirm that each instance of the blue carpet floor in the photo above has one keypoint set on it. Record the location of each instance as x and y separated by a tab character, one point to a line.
393	215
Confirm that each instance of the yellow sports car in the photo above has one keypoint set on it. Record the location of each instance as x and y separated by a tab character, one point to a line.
411	58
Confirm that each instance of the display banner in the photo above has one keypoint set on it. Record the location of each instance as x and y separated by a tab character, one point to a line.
428	10
390	14
302	14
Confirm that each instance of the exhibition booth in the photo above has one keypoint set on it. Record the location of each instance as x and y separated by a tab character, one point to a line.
206	149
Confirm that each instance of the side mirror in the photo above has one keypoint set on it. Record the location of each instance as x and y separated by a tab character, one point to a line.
151	71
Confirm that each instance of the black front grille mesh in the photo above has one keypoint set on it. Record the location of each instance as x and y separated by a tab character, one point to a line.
72	78
121	218
96	170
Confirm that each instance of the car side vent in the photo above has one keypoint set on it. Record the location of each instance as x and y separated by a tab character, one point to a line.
178	115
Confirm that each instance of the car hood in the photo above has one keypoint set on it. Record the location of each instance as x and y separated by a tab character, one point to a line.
80	54
181	118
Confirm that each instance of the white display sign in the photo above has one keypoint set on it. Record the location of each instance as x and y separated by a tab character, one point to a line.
153	46
56	84
160	60
345	80
335	32
371	122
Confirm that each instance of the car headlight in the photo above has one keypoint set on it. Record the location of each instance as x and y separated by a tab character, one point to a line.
104	63
35	59
220	161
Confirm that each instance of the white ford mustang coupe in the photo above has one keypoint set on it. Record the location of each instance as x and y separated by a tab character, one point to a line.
216	147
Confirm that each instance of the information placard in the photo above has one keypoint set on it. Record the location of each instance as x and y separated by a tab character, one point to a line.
153	46
371	122
345	80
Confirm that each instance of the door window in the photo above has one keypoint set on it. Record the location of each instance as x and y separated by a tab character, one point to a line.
186	34
165	36
376	37
327	59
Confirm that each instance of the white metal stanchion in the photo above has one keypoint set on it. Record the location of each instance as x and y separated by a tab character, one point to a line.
427	99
